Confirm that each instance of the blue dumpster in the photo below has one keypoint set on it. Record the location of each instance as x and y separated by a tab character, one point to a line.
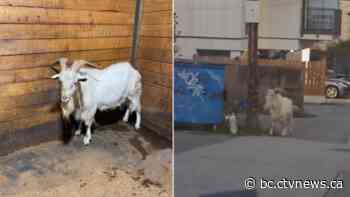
198	93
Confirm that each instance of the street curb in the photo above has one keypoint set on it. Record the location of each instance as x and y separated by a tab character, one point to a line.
322	100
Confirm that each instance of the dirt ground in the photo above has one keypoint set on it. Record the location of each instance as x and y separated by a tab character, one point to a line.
109	167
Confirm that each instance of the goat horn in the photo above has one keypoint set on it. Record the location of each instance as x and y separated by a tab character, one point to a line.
92	64
62	61
54	69
79	63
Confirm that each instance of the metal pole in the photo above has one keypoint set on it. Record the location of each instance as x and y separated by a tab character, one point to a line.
253	96
136	33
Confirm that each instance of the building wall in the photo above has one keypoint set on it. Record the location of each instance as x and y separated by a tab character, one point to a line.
345	26
155	55
33	34
280	24
219	25
206	24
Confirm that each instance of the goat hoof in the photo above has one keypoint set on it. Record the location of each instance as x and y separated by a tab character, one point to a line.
125	120
137	127
87	140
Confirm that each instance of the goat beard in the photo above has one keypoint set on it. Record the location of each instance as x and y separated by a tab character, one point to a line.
69	123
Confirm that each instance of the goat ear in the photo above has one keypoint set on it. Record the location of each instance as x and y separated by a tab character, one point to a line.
56	76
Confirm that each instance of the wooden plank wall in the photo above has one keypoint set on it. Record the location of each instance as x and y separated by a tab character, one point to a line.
155	55
34	33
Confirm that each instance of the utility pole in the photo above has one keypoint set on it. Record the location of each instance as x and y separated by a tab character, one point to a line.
252	19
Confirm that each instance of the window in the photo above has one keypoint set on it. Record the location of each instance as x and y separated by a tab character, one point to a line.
322	17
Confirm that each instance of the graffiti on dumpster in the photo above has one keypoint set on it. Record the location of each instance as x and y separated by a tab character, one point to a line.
192	82
198	93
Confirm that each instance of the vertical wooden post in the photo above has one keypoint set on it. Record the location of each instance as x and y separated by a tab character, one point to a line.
253	95
136	31
252	11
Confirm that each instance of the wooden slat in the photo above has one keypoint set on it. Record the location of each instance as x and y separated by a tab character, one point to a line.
158	55
20	89
39	73
27	15
156	43
156	79
12	47
155	55
7	77
156	18
153	66
32	99
38	119
104	64
18	113
39	60
113	5
162	5
30	31
156	31
157	97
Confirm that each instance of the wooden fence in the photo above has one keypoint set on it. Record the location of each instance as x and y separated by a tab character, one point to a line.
272	74
314	73
285	74
315	77
155	63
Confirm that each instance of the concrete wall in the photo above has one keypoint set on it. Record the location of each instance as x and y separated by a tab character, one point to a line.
219	25
207	24
280	24
345	26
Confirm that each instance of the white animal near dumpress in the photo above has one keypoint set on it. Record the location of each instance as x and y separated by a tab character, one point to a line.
281	111
100	89
232	120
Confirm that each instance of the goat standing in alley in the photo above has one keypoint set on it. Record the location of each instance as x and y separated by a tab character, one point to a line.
281	111
98	89
232	121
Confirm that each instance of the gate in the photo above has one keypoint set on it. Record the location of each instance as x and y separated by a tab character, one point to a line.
315	78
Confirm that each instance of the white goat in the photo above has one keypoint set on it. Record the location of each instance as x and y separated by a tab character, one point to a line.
231	118
281	111
100	89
